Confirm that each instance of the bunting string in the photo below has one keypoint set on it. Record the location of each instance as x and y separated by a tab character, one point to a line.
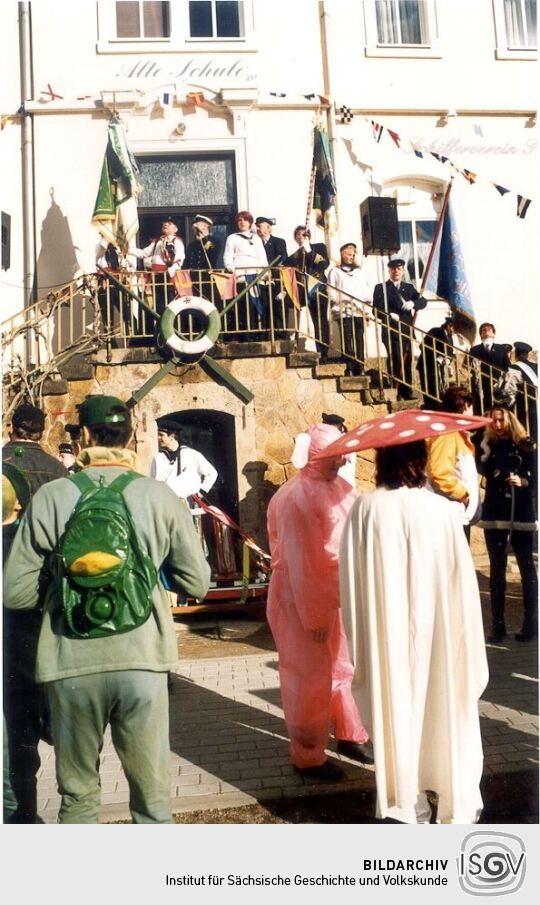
378	129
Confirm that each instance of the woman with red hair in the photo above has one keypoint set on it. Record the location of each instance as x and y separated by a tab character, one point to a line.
244	256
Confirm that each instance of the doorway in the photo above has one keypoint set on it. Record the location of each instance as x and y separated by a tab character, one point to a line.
213	434
180	186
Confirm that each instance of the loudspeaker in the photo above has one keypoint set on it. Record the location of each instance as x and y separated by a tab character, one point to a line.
380	230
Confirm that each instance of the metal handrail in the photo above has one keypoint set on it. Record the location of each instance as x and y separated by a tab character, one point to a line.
92	311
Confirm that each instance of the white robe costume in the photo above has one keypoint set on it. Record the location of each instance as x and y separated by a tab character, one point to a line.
411	610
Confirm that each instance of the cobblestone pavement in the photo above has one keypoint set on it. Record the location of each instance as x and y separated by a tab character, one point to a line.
229	745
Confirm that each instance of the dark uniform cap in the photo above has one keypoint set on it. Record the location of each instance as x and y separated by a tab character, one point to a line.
169	425
29	417
396	262
65	448
336	420
270	220
348	245
522	348
102	410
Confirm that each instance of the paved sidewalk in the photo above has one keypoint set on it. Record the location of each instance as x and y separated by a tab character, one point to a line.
229	744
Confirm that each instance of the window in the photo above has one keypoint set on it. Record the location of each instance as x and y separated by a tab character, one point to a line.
142	19
515	29
419	205
174	26
401	28
402	22
520	22
416	237
211	19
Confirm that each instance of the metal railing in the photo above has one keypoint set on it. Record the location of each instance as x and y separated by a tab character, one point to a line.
287	306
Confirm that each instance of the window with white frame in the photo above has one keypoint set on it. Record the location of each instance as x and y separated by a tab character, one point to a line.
142	19
216	19
127	26
401	28
515	28
402	22
419	206
520	23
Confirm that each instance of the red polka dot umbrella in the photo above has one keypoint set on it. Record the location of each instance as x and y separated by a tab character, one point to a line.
401	427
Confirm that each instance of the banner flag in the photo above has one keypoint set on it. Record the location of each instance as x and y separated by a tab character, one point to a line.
115	212
445	272
324	197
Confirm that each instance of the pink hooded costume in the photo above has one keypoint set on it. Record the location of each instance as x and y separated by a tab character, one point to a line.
305	522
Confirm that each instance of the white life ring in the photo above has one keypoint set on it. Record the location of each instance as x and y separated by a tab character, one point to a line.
186	346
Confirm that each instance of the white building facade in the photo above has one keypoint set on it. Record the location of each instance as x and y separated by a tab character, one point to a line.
219	100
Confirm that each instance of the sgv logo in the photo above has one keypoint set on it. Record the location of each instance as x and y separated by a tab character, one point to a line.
491	864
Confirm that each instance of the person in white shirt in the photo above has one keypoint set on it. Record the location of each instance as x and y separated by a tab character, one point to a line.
244	256
183	469
347	290
166	256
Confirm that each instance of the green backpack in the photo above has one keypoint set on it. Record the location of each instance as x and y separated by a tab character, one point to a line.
105	577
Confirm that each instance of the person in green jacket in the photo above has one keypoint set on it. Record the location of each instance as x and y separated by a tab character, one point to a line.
120	680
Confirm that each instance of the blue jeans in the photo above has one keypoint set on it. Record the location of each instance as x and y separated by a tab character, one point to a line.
135	704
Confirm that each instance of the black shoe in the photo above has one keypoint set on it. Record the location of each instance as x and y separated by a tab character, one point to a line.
496	636
527	636
360	751
327	771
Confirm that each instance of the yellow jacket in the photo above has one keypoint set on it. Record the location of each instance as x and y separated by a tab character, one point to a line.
444	455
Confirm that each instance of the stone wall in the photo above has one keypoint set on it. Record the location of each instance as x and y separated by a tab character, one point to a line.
287	400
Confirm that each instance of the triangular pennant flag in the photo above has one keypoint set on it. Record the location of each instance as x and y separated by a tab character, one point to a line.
436	156
443	159
395	137
523	205
182	282
500	188
276	94
310	97
288	275
469	176
225	284
418	153
377	130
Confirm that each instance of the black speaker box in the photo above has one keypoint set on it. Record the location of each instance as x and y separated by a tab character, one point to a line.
380	230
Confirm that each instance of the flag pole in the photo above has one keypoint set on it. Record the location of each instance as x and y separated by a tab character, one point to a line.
436	236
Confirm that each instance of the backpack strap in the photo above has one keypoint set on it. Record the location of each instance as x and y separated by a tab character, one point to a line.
122	481
82	481
85	483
